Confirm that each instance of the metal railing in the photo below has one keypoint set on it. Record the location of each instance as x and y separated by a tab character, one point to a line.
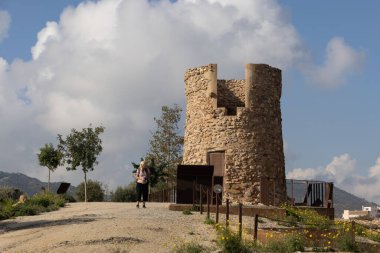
165	195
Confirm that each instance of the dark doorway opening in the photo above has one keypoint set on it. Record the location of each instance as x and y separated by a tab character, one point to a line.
189	177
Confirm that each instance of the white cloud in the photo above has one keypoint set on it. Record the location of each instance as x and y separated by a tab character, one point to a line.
375	170
5	21
49	33
116	62
343	171
341	61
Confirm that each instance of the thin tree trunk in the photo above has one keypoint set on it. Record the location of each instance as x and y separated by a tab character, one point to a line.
49	182
85	187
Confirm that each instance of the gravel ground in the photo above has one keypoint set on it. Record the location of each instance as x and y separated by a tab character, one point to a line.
105	227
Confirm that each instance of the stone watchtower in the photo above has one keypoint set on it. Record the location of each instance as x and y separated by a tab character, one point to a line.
235	125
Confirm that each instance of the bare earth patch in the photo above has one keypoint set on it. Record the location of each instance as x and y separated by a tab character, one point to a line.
105	227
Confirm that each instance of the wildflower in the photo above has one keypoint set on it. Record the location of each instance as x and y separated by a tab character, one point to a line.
310	235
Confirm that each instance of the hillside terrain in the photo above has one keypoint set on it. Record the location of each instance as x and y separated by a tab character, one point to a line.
29	185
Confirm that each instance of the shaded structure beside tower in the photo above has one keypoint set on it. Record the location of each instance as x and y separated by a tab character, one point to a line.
235	125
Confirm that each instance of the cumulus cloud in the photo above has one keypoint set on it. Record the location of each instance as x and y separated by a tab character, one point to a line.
49	33
116	62
5	21
341	61
343	171
375	170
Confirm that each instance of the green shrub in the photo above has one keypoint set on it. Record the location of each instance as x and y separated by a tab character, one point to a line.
230	242
6	209
209	221
68	198
307	217
47	199
290	243
191	247
43	202
187	212
7	193
344	243
125	194
95	191
27	209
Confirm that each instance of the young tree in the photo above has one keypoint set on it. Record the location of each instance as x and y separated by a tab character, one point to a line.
166	143
51	158
82	149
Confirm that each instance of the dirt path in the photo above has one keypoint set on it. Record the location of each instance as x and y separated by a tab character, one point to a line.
105	227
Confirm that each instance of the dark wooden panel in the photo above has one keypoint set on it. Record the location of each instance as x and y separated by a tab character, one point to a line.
189	177
217	160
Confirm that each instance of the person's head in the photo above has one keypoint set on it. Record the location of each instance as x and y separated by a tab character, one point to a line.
142	165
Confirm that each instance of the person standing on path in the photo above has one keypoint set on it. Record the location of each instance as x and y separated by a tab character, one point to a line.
142	178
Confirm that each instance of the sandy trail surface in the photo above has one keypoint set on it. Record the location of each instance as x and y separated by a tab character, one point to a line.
105	227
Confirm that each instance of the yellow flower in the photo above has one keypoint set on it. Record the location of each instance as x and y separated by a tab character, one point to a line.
310	235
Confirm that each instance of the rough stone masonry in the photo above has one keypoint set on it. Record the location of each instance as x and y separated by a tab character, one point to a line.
235	125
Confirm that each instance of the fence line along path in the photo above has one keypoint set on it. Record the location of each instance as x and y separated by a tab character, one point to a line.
105	227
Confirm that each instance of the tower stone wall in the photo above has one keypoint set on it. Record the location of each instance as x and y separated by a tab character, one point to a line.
242	119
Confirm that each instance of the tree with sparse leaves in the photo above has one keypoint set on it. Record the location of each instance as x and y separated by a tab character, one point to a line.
80	149
51	158
166	143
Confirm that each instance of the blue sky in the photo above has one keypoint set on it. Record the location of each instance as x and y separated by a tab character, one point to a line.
116	62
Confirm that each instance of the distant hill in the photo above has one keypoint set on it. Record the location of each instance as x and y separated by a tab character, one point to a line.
347	201
29	185
342	199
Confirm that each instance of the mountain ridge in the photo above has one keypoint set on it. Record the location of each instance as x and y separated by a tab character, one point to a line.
29	185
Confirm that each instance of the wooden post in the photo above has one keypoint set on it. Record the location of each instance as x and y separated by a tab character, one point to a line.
200	199
291	181
208	203
227	212
217	208
240	219
193	194
353	232
256	227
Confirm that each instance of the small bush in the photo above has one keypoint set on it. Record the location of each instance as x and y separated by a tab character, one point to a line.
230	242
191	247
8	193
47	199
209	221
6	210
307	217
290	243
68	198
345	243
27	209
125	194
43	202
187	212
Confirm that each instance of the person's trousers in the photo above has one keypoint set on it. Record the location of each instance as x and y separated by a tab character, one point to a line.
142	191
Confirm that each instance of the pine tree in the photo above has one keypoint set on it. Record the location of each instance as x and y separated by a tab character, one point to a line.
166	144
